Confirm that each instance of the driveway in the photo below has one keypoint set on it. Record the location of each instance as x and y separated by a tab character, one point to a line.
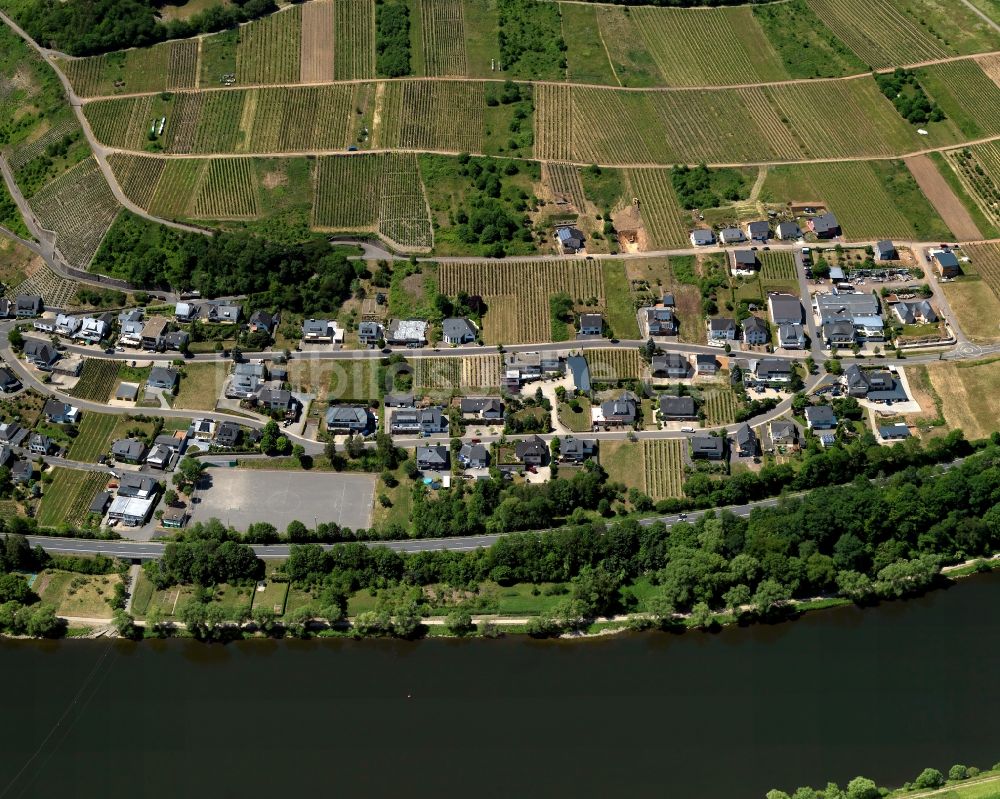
239	497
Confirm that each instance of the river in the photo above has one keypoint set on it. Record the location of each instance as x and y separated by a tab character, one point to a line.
882	692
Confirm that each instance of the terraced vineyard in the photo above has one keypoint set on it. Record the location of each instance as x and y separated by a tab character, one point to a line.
437	373
60	127
163	67
228	191
403	215
79	207
978	170
614	365
177	187
662	216
424	115
720	406
122	123
443	37
137	175
354	39
969	98
554	122
95	437
55	291
347	192
778	266
483	371
269	49
67	500
663	472
317	60
563	181
97	380
986	261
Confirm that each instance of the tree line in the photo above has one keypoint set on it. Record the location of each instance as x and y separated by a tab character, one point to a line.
865	788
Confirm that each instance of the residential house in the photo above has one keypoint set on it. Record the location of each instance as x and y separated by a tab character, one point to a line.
731	235
671	365
433	457
162	377
522	367
152	334
419	420
744	262
458	330
130	332
792	337
785	308
711	448
773	370
894	432
128	450
570	239
369	333
783	433
317	331
947	265
22	472
7	308
185	312
40	354
474	456
591	324
262	322
746	441
825	226
28	305
532	451
176	340
100	504
248	378
175	442
917	312
877	385
348	419
12	434
820	417
221	312
838	333
46	324
788	231
173	518
138	486
40	445
759	230
702	238
275	399
661	322
127	392
755	331
862	310
706	364
577	450
486	408
202	430
8	382
60	413
67	325
6	455
579	369
159	457
618	412
93	330
411	332
399	400
228	435
885	251
721	330
677	408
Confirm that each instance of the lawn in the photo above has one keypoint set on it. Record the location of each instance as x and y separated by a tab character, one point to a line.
976	307
272	598
298	597
78	594
142	594
968	395
339	380
621	312
200	387
624	462
401	499
67	498
578	422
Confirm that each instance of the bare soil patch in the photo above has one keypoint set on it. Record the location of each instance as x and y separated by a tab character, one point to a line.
274	179
944	200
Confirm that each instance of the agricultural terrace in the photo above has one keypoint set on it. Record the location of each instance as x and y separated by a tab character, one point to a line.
978	171
775	123
318	41
163	67
354	39
55	291
872	199
778	272
969	98
404	216
427	115
563	181
67	499
721	405
228	190
98	380
79	207
268	49
885	33
442	37
986	262
662	217
663	468
517	293
51	131
615	365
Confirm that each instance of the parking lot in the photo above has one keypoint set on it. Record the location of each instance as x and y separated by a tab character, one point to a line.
239	497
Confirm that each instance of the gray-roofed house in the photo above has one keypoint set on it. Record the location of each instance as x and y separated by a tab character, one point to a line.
706	364
837	274
317	330
140	486
8	381
100	503
419	420
127	392
792	337
677	408
667	301
825	226
838	333
128	450
731	235
369	333
40	354
711	448
570	239
700	237
247	379
40	445
744	262
947	264
617	412
176	340
783	433
159	457
577	450
722	329
434	457
894	432
773	370
399	400
350	418
262	322
22	471
885	251
661	322
488	408
670	365
162	377
458	330
745	440
7	308
185	311
788	231
532	451
918	312
759	230
60	412
591	324
785	308
175	442
820	417
12	434
474	456
227	435
580	370
275	399
755	331
28	305
222	312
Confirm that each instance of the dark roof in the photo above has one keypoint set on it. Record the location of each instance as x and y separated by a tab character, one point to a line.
824	223
753	324
100	503
946	259
530	446
708	445
759	228
820	413
572	447
457	327
474	453
227	433
580	370
434	454
677	406
744	258
702	236
162	375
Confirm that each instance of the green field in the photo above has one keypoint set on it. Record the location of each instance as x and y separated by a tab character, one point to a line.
720	406
808	48
969	99
98	430
272	598
974	175
163	67
68	497
98	380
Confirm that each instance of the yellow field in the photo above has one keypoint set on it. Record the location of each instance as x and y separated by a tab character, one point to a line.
977	309
968	395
